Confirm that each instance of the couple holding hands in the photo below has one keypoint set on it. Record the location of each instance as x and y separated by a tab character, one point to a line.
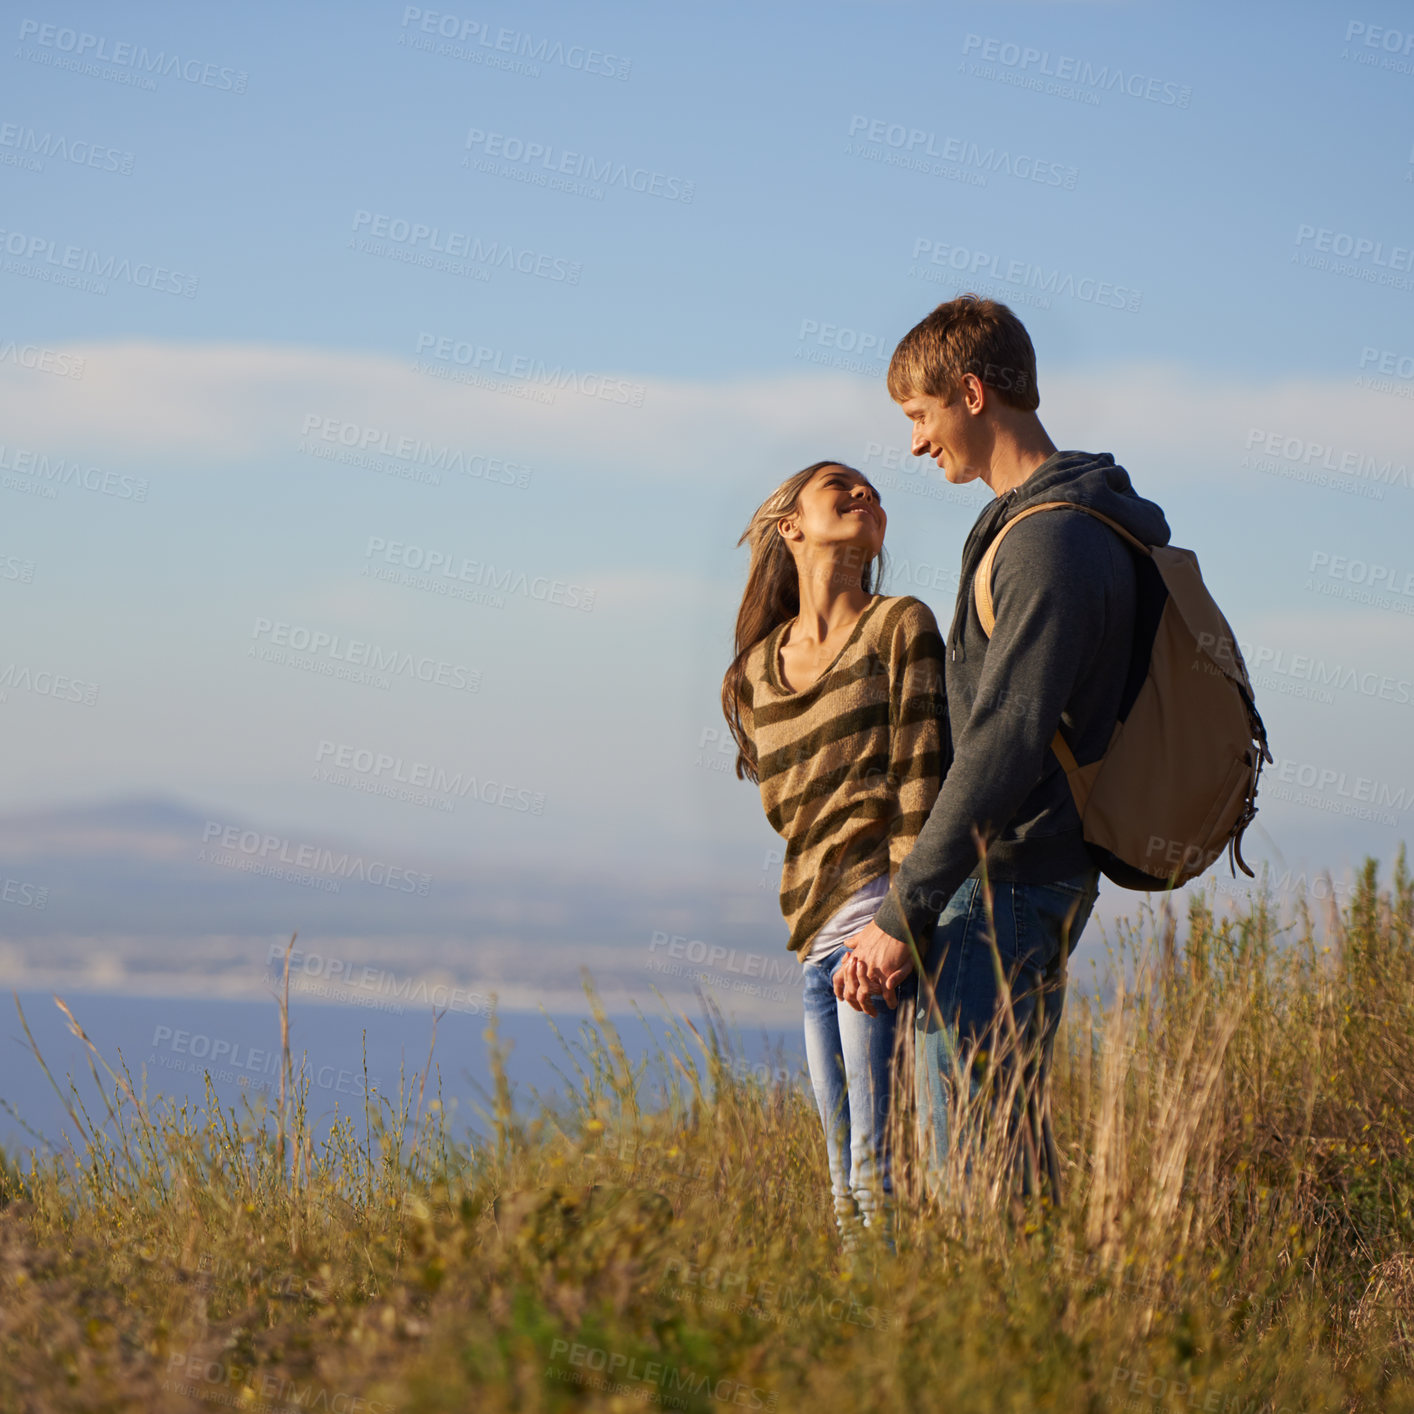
934	854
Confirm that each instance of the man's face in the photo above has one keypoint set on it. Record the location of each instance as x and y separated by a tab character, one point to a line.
947	431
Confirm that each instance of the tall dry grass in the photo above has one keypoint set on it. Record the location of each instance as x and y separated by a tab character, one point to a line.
1233	1127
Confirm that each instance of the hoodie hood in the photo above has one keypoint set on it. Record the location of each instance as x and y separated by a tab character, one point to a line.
1086	478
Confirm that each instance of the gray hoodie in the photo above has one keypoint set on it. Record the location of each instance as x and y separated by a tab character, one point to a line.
1064	588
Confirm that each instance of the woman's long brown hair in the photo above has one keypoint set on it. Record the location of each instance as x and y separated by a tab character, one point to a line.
772	596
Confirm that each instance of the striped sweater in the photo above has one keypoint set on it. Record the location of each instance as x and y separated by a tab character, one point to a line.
848	767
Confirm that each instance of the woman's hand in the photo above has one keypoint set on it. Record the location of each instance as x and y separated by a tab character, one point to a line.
876	963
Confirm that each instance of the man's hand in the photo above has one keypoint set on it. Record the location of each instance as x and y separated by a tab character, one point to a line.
877	963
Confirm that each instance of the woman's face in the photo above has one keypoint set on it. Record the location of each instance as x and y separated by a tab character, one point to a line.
839	507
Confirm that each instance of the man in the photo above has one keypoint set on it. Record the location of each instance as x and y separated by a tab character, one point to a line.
1064	587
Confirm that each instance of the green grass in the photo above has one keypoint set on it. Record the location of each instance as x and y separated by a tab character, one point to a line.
1237	1232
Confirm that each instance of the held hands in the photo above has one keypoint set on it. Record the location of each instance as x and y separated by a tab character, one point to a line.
876	963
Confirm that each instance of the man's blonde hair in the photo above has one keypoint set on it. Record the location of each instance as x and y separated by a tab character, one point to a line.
966	335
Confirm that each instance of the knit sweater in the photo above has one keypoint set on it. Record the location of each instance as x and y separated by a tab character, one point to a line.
848	767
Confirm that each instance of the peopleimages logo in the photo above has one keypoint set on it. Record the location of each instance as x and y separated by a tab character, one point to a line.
912	147
27	148
919	476
741	967
423	776
330	652
837	346
198	1376
81	51
24	895
41	257
44	683
544	160
340	436
1303	675
1307	460
61	471
1338	792
272	850
321	974
611	1371
1386	371
1361	581
457	252
1211	1401
737	1290
478	42
446	565
1037	64
1379	46
532	375
1356	247
1355	256
1022	273
41	360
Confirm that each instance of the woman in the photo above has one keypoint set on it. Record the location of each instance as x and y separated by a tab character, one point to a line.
834	699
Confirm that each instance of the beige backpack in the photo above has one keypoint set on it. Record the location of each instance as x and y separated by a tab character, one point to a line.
1178	780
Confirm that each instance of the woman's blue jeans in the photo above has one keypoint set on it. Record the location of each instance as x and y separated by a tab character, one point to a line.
851	1070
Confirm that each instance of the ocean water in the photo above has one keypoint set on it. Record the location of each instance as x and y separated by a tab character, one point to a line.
353	1057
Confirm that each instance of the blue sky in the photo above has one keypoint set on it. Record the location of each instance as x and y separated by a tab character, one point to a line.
1178	207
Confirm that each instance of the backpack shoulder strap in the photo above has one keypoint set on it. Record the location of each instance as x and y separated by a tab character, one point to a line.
982	580
982	593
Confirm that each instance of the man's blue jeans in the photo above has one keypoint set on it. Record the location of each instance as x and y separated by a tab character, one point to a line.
958	999
851	1058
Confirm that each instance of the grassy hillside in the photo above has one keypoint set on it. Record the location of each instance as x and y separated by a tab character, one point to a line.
1237	1230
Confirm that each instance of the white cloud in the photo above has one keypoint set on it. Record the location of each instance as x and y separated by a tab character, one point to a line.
214	404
